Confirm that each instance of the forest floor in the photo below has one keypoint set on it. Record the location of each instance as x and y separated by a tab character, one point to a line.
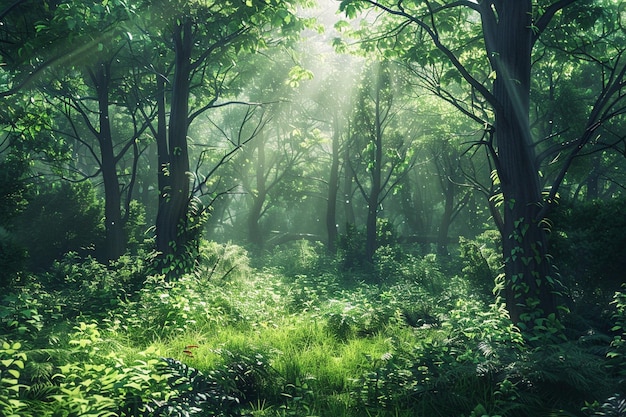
294	339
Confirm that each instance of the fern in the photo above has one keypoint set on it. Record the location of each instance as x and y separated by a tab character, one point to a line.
194	394
613	407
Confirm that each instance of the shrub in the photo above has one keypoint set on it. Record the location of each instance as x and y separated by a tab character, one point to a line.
589	248
308	292
223	261
13	258
87	287
617	351
12	362
351	248
63	217
164	309
300	257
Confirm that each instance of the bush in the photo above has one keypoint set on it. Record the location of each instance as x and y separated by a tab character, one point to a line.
60	218
13	258
589	248
165	309
300	257
219	262
476	268
87	287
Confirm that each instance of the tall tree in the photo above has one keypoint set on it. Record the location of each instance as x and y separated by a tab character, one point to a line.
204	41
89	38
382	150
474	40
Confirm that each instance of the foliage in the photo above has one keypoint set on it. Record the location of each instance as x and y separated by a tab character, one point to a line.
263	344
219	262
351	248
481	259
20	315
480	361
589	247
617	352
89	381
12	202
299	258
195	393
307	292
13	258
64	217
12	362
135	228
85	286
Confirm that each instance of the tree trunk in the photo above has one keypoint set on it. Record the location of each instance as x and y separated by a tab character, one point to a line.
255	235
528	290
115	240
371	243
348	190
333	188
171	233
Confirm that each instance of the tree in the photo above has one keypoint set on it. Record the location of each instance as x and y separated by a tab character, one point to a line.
82	86
204	42
381	148
474	39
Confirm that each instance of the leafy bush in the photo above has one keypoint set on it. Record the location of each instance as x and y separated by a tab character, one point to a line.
78	381
308	292
589	248
223	261
87	287
351	248
95	383
476	268
164	309
194	394
20	314
63	217
617	351
12	258
477	363
298	258
12	362
351	245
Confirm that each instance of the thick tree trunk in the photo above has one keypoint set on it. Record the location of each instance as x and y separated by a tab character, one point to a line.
115	239
528	289
171	236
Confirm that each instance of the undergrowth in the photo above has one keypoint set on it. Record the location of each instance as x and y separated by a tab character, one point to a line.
296	339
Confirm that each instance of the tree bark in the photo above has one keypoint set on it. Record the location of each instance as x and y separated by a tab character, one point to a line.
115	239
529	288
171	236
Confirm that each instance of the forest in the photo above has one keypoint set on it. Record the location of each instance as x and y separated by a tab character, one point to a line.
331	208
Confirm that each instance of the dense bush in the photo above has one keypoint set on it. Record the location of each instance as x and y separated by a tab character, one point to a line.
60	218
298	258
589	248
13	257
